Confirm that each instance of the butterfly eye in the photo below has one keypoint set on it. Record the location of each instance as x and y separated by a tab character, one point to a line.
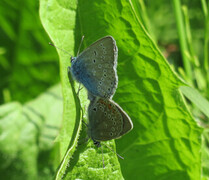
72	59
105	113
94	61
100	82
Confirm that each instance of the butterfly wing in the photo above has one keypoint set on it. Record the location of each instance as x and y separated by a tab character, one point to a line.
105	120
96	66
127	123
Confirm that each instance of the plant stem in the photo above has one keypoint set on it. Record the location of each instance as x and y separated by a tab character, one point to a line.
204	7
193	57
206	43
182	38
206	31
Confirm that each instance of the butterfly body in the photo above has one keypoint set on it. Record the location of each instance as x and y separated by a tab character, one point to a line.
96	67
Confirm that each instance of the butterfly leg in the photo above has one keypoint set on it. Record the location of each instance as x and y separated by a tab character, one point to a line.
103	158
70	79
113	151
82	141
68	72
79	88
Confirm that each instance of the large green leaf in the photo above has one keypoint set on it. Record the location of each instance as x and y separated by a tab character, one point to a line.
27	134
165	141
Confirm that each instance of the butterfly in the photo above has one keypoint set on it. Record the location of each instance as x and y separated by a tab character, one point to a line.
96	67
107	120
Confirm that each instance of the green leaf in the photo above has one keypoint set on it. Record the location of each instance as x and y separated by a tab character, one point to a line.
27	134
71	121
165	142
194	96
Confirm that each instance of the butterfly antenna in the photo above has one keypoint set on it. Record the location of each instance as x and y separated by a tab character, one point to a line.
80	46
103	157
59	48
114	151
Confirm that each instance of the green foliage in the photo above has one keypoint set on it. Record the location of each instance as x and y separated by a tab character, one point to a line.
26	59
165	141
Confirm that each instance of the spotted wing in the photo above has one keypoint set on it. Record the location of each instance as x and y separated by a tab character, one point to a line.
105	120
127	123
96	67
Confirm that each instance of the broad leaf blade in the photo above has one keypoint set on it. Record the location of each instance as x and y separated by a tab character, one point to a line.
27	136
59	24
60	31
165	141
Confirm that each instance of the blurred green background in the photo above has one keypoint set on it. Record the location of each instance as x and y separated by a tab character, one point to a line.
28	65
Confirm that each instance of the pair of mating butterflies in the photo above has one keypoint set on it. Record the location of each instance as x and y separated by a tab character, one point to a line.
95	68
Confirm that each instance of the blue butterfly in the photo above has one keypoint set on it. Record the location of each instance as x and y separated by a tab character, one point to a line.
96	67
